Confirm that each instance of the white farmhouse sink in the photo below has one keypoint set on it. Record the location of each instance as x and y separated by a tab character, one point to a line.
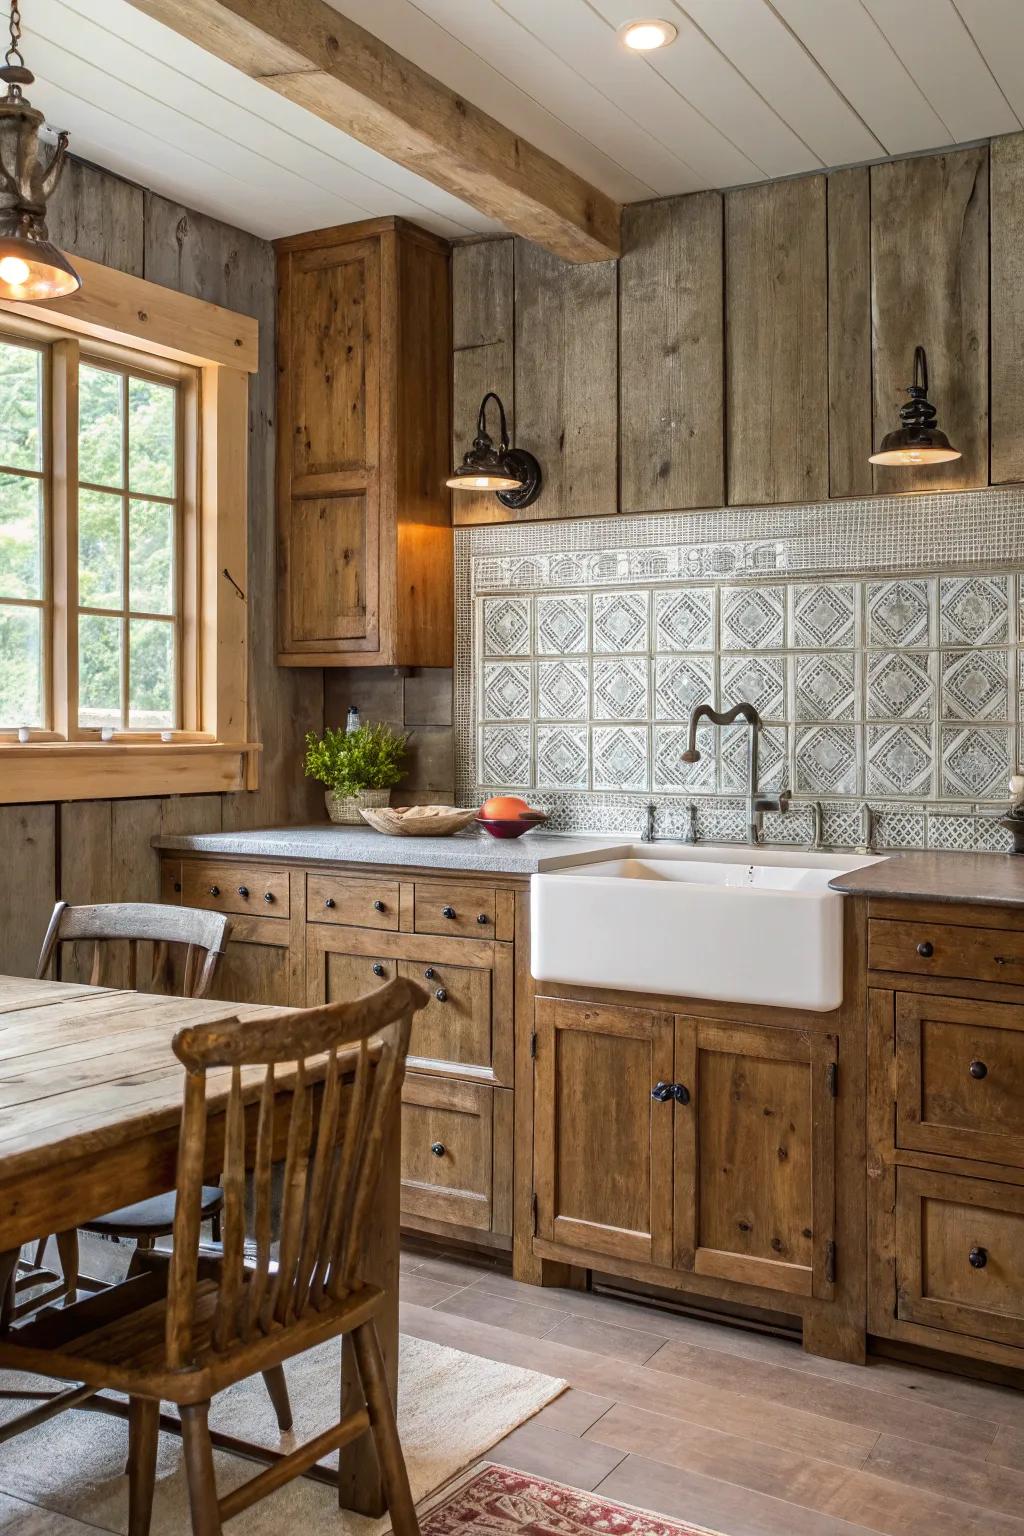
737	924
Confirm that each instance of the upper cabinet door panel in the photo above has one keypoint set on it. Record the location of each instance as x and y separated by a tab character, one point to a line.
1008	309
776	349
929	288
332	361
671	440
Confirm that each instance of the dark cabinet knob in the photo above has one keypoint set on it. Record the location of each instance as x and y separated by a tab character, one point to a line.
429	973
177	885
680	1093
447	911
329	902
978	1258
243	890
378	969
978	1069
441	995
268	897
438	1148
379	906
925	950
661	1092
214	890
482	918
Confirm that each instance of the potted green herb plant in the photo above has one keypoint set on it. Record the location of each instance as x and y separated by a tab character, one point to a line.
359	768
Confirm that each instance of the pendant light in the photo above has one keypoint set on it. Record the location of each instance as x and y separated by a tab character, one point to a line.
919	440
512	473
31	268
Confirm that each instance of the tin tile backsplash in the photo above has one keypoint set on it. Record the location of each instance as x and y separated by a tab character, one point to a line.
881	641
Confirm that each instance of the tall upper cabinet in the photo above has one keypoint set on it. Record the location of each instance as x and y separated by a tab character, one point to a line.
363	445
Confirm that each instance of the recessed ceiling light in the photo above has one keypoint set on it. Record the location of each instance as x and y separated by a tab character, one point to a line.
643	36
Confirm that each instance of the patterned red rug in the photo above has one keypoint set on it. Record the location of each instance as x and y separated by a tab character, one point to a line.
501	1502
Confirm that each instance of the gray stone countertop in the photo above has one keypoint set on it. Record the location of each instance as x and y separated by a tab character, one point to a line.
473	849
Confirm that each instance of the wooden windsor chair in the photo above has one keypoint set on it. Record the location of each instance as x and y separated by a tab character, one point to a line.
186	1325
204	937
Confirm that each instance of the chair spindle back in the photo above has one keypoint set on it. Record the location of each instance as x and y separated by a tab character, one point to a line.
204	936
323	1082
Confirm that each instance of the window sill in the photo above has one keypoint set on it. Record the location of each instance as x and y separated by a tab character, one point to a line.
112	770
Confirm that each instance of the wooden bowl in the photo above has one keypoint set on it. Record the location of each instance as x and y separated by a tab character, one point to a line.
418	820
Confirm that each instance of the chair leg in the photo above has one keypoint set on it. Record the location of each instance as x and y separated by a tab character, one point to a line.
202	1485
143	1430
390	1460
67	1251
277	1387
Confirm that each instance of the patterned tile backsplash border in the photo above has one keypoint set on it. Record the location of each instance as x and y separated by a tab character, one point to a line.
882	642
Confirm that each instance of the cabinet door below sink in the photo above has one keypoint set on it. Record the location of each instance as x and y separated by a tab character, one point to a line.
603	1161
755	1155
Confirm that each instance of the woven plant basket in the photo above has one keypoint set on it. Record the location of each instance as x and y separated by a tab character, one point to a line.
345	809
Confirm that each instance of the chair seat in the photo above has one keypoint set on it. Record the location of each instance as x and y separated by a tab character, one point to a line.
153	1217
118	1339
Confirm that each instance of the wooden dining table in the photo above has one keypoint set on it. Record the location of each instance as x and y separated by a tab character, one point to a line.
90	1109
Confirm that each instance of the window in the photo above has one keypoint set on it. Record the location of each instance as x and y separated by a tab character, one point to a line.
123	543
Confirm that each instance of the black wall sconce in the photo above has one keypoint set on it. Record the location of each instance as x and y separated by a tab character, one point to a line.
918	440
512	473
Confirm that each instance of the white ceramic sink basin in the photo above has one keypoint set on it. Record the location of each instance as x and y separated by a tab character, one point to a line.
736	924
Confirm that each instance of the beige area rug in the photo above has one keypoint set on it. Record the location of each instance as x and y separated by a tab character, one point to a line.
452	1408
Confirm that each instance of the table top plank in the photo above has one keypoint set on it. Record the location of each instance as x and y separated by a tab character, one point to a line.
65	1099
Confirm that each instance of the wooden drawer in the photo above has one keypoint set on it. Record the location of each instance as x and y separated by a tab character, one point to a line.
960	1255
349	976
456	1153
353	903
248	888
447	908
941	949
960	1078
455	1026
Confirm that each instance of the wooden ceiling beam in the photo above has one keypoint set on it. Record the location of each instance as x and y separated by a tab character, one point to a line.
311	54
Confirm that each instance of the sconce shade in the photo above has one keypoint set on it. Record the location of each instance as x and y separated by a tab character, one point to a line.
511	473
918	440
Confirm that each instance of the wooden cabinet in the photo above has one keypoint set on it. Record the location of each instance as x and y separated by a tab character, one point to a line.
959	1253
755	1155
603	1146
946	1127
363	433
960	1077
457	1154
687	1143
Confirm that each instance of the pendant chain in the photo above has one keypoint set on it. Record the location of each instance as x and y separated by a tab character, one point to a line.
13	54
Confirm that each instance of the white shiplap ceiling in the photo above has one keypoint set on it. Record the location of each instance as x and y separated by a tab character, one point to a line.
751	89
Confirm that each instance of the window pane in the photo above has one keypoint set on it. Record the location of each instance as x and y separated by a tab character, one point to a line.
151	675
151	437
21	667
151	557
99	550
21	371
21	537
99	671
99	426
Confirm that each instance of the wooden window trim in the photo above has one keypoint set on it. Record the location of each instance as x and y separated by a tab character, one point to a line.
212	753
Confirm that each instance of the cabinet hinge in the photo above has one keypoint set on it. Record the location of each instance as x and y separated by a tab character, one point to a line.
833	1079
533	1213
533	1045
830	1263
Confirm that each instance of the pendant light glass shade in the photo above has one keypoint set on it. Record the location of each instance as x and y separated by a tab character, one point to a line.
31	268
511	473
919	440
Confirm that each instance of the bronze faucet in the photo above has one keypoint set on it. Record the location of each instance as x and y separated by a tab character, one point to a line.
757	803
